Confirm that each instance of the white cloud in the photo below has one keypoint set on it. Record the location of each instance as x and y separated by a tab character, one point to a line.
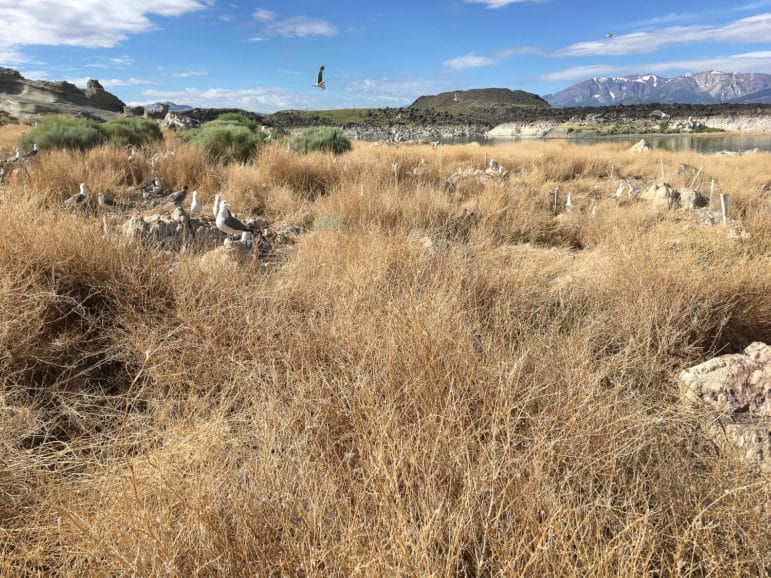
10	57
468	61
34	74
90	23
701	15
124	82
759	61
389	91
299	26
112	62
477	61
262	15
501	3
260	99
189	73
746	30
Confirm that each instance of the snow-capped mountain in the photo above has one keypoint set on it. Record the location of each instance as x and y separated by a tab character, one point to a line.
709	87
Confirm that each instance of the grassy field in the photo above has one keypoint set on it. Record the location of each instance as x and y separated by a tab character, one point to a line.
432	382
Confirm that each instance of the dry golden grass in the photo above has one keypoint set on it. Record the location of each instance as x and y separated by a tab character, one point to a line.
502	403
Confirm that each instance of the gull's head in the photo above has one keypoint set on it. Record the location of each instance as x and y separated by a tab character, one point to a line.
83	188
195	195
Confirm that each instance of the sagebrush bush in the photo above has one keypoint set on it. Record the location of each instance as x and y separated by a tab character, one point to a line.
132	131
226	140
58	132
322	138
239	119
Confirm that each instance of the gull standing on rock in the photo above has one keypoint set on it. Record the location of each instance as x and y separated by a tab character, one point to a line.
79	199
195	205
227	223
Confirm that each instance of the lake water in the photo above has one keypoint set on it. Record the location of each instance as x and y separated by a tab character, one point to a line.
702	143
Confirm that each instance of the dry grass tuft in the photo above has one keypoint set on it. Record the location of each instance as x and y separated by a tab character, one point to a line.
428	384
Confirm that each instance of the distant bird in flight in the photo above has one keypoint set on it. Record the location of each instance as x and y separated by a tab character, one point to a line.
320	82
609	35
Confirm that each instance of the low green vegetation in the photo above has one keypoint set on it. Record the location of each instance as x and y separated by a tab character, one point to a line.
58	132
231	137
132	131
322	138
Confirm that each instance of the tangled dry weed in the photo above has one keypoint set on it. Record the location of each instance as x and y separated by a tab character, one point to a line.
428	384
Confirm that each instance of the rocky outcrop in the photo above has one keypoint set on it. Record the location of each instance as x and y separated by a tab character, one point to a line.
734	391
21	97
663	196
100	98
174	121
641	146
175	231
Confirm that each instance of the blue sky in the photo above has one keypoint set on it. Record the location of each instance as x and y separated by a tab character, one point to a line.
263	56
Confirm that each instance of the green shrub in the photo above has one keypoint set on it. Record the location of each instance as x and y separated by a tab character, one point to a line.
59	132
82	134
239	119
225	141
132	131
322	138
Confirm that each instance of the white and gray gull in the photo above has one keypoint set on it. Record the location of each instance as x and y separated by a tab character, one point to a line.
178	196
227	223
79	199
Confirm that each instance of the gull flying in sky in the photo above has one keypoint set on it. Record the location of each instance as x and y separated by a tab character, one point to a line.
320	82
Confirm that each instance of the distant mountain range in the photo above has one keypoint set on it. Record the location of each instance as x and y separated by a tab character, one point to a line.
700	88
173	107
